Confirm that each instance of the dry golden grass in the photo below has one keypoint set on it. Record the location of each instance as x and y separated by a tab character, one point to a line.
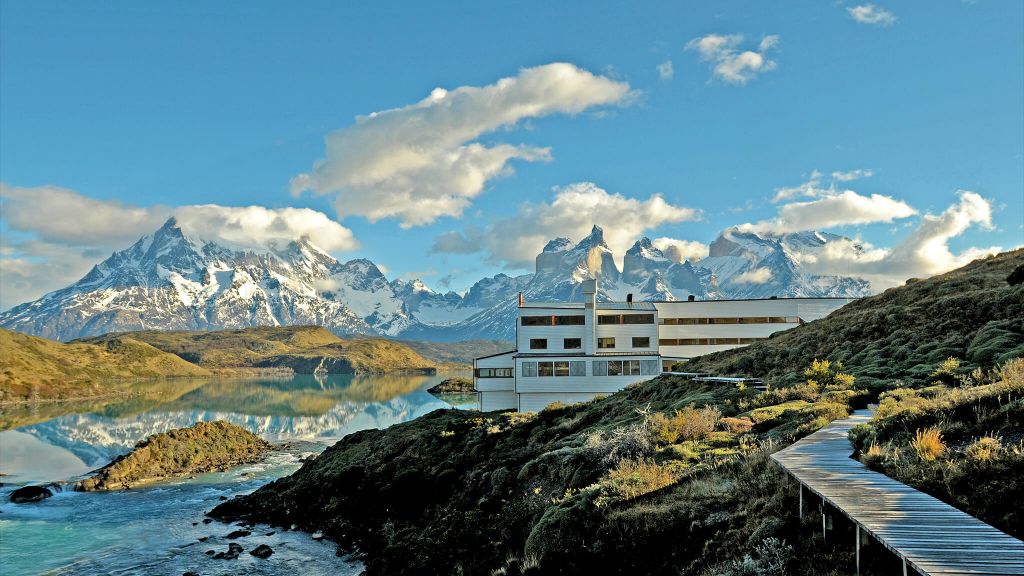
37	368
927	444
984	449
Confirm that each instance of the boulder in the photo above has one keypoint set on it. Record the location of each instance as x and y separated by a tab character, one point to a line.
262	551
27	494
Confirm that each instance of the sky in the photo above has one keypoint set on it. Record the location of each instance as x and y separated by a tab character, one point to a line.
450	141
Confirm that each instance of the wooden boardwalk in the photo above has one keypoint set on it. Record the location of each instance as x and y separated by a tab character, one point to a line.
929	535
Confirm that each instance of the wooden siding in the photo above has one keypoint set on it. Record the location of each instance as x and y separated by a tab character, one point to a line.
488	401
537	402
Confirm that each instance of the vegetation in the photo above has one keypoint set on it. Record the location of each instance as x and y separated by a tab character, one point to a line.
962	442
667	476
303	349
202	447
459	353
39	369
456	385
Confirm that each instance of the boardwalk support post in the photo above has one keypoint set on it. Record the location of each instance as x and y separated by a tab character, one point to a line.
801	501
904	566
857	528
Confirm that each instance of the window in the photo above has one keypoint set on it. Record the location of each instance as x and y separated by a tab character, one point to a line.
638	319
573	320
606	342
641	342
577	368
494	372
561	368
529	369
545	369
538	343
615	367
572	344
705	341
633	368
536	320
576	320
626	319
600	367
743	320
649	367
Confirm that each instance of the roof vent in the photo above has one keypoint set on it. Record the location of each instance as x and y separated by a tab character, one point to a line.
629	298
691	298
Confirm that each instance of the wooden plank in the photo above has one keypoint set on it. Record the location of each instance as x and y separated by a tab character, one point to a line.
930	535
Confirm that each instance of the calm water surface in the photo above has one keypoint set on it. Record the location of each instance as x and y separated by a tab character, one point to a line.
156	529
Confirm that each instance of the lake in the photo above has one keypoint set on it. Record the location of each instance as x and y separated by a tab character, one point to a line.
157	529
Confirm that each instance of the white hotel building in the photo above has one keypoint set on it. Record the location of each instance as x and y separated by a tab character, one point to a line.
573	351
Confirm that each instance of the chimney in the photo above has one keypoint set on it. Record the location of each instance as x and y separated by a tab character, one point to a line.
589	289
691	298
629	298
522	301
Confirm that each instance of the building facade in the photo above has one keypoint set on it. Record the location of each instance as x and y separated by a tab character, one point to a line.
573	351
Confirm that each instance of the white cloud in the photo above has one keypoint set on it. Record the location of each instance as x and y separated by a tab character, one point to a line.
665	70
55	235
923	253
871	14
516	240
679	250
754	276
833	209
422	161
253	227
814	188
728	62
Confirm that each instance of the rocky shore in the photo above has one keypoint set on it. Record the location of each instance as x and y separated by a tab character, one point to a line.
456	385
200	448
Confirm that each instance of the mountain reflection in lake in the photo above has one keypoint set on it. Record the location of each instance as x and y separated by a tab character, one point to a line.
56	442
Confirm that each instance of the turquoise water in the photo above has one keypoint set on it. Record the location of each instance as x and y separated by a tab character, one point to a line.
156	529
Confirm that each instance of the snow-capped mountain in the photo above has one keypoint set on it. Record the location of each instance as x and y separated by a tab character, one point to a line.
168	281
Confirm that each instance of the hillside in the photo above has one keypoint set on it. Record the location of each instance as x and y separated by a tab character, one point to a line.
971	313
40	369
304	349
665	477
458	352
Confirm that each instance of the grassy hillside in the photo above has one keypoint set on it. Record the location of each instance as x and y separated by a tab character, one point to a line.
972	313
458	352
36	368
666	477
301	348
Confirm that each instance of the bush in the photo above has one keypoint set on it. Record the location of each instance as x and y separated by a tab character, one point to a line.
927	444
687	424
827	376
623	443
948	372
984	450
770	559
737	425
631	479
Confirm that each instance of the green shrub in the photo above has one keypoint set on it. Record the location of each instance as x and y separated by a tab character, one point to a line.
947	372
687	424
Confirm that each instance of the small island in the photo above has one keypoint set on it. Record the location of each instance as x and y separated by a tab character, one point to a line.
455	385
202	447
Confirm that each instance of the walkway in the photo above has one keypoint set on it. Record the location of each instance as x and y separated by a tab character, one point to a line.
927	534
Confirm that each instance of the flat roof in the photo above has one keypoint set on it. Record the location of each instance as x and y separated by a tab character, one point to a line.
649	304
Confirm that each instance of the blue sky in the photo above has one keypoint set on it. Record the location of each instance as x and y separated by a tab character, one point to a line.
176	104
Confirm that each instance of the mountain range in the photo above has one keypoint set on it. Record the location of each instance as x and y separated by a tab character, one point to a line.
168	280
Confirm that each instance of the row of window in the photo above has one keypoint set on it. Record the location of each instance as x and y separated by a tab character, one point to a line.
705	341
559	368
493	372
574	320
600	368
729	320
577	343
625	319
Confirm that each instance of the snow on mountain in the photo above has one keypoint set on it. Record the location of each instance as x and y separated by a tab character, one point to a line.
168	280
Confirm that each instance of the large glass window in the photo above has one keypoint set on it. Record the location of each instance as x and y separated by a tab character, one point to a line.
615	367
641	342
577	368
648	367
606	342
600	367
561	368
529	369
740	320
545	369
569	320
576	320
538	343
494	372
572	343
626	319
